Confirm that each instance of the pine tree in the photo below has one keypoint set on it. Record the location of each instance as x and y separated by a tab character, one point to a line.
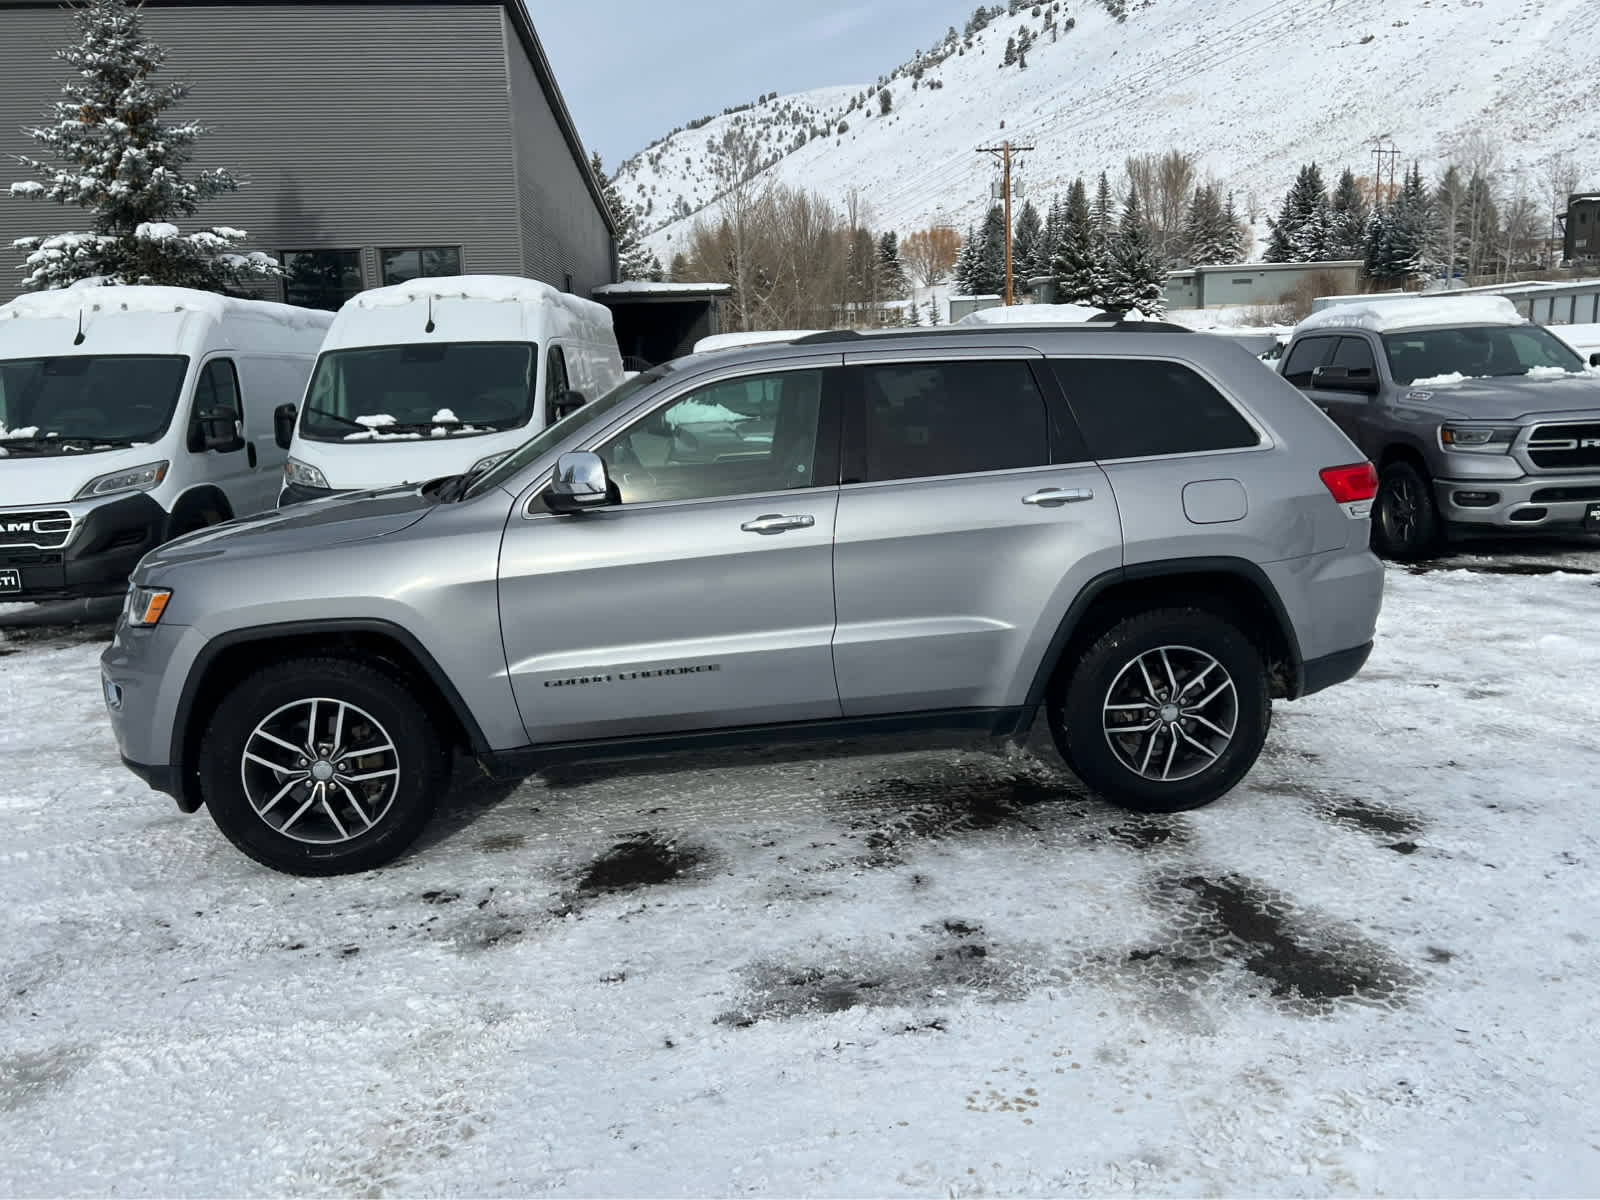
1044	250
123	165
1102	219
634	260
1407	251
1024	243
1138	277
991	277
1236	233
1208	234
1350	215
1081	271
892	283
1302	204
967	263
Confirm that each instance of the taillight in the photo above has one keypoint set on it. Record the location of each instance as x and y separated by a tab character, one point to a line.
1353	483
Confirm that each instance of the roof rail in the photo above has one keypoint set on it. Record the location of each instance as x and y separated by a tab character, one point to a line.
834	336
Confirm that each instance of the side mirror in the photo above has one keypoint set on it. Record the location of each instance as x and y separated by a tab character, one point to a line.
569	401
219	429
1345	379
283	424
581	483
1594	359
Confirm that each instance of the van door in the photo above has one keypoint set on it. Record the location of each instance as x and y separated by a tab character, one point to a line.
229	471
555	383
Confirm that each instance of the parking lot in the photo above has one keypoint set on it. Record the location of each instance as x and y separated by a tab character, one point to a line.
1371	969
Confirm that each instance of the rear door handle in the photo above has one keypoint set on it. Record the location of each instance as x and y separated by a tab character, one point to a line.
1056	497
778	523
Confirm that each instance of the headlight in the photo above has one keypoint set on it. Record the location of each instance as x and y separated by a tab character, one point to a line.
1488	439
134	479
484	464
303	474
145	605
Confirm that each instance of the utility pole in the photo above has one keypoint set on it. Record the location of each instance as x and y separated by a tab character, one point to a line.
1392	155
1005	151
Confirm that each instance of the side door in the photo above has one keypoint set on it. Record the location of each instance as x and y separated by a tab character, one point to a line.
1353	412
1305	356
555	382
230	469
969	517
704	598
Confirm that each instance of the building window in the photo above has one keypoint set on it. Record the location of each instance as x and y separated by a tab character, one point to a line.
566	283
1243	282
419	262
321	278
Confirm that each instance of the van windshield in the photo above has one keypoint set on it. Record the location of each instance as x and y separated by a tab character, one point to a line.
1477	351
87	402
409	393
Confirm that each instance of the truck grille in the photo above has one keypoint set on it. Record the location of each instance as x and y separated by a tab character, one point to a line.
1565	446
44	530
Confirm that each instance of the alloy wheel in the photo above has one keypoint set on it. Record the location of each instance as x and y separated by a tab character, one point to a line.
1170	713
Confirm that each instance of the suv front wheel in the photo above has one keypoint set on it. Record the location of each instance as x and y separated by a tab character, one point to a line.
321	767
1166	711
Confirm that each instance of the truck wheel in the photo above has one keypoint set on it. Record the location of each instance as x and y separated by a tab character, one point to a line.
1167	711
1405	520
321	766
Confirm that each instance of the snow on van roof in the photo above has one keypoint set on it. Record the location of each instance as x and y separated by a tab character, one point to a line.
1032	314
1381	316
485	288
114	299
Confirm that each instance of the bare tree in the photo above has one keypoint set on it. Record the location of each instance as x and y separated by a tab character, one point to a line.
1164	183
1560	178
931	253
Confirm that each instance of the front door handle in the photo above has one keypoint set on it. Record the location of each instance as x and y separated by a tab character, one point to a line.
1056	497
777	523
250	452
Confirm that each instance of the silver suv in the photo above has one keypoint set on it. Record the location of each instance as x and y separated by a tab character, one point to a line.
1132	526
1479	420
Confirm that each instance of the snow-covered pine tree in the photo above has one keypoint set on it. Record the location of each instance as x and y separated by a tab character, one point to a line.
634	260
1410	234
1102	219
1044	250
1350	213
892	283
1138	276
1304	198
1024	242
1312	241
120	162
991	277
1208	238
1235	232
967	264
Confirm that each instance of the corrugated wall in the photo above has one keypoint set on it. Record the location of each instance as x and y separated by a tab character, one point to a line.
562	233
356	126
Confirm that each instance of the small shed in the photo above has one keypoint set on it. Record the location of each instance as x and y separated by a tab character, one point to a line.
1580	228
1257	283
655	322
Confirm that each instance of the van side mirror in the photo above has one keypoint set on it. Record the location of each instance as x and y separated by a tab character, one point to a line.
580	483
219	429
1345	379
1594	359
283	424
569	401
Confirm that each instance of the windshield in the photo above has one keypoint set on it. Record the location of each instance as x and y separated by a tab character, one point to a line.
388	393
1476	352
563	429
87	402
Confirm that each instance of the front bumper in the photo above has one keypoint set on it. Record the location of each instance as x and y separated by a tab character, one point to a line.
141	677
106	543
1532	502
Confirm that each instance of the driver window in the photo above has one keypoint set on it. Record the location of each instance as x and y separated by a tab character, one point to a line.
736	437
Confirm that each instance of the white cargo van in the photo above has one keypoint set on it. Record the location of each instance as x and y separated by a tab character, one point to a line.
439	377
130	415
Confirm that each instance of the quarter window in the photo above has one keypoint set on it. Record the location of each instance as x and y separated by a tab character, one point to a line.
1308	354
419	262
737	437
321	278
1138	408
928	419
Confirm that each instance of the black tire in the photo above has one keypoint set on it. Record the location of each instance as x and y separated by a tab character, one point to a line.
1405	520
1204	764
394	789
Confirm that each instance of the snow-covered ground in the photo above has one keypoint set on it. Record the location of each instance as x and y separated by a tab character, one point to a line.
1369	970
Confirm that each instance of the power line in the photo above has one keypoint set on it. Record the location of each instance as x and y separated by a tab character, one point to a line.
1005	151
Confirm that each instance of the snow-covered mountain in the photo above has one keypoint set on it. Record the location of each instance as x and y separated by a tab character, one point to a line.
1253	87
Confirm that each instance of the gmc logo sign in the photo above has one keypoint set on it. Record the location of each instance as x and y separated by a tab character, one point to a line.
18	526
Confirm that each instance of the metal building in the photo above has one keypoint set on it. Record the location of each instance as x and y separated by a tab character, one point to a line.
1580	227
379	140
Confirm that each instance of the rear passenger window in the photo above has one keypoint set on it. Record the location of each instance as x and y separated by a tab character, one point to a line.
952	418
1136	408
1308	354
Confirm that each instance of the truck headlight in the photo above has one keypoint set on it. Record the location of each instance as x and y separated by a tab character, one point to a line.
303	474
132	479
1486	439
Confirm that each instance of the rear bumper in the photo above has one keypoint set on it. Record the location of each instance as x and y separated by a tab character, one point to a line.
1538	503
1333	668
106	544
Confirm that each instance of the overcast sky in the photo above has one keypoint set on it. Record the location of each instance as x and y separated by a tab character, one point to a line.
633	69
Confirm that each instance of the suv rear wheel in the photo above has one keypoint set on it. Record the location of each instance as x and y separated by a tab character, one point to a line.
1405	520
1166	711
321	767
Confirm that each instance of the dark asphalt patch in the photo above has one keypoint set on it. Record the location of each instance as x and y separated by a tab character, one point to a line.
1148	834
1500	568
14	638
1372	818
643	860
1226	921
